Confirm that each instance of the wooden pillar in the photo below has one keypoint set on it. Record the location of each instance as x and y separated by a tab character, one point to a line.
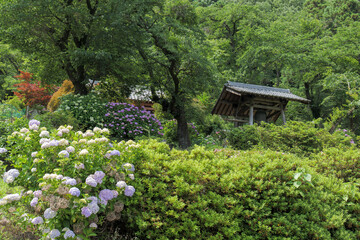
283	113
251	114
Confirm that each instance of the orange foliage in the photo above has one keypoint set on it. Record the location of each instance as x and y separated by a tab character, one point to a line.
31	92
66	88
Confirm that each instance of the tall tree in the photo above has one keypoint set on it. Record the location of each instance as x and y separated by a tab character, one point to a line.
70	38
173	57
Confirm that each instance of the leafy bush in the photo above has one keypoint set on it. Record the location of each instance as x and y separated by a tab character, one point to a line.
339	163
295	137
66	88
7	127
52	120
89	110
31	93
14	101
128	121
244	137
71	182
226	194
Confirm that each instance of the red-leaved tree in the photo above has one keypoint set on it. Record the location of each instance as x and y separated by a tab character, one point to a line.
30	91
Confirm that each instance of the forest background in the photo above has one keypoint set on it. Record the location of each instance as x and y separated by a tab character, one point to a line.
187	50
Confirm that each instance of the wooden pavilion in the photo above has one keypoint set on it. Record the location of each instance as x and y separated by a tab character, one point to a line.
243	103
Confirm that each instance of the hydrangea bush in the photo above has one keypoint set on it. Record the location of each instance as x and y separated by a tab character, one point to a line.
127	121
72	181
88	109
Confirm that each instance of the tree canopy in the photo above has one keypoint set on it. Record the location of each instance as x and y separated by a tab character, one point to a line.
181	48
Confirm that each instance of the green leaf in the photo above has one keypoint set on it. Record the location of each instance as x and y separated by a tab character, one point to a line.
297	184
297	175
307	177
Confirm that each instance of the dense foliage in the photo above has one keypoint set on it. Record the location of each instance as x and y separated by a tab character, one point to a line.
295	137
89	110
226	194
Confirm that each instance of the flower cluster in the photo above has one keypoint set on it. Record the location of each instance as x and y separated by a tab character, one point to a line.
128	121
74	176
10	175
88	109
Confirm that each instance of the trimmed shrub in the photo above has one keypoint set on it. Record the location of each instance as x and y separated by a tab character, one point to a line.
236	195
127	121
89	109
339	163
52	120
66	88
302	138
244	137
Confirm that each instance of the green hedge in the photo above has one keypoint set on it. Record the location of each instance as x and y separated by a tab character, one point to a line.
303	138
226	194
341	164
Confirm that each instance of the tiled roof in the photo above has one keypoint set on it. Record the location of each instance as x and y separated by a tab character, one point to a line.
264	91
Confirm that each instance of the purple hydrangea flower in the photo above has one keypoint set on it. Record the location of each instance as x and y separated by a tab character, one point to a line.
115	153
129	166
69	234
70	181
86	212
106	194
94	208
37	193
74	191
54	234
10	175
115	193
80	166
98	176
129	191
34	122
49	213
54	143
3	150
91	181
34	201
64	154
70	149
37	220
93	199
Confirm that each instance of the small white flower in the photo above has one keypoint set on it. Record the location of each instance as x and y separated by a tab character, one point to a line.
33	170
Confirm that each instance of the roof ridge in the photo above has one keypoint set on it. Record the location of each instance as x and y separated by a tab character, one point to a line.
247	85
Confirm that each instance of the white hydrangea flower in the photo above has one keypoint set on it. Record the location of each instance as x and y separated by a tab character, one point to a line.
44	134
83	152
24	130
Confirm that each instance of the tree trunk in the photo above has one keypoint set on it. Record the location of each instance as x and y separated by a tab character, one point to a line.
77	77
182	129
314	106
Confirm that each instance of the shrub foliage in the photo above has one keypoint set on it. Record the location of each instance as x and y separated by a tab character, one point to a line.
66	88
226	194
